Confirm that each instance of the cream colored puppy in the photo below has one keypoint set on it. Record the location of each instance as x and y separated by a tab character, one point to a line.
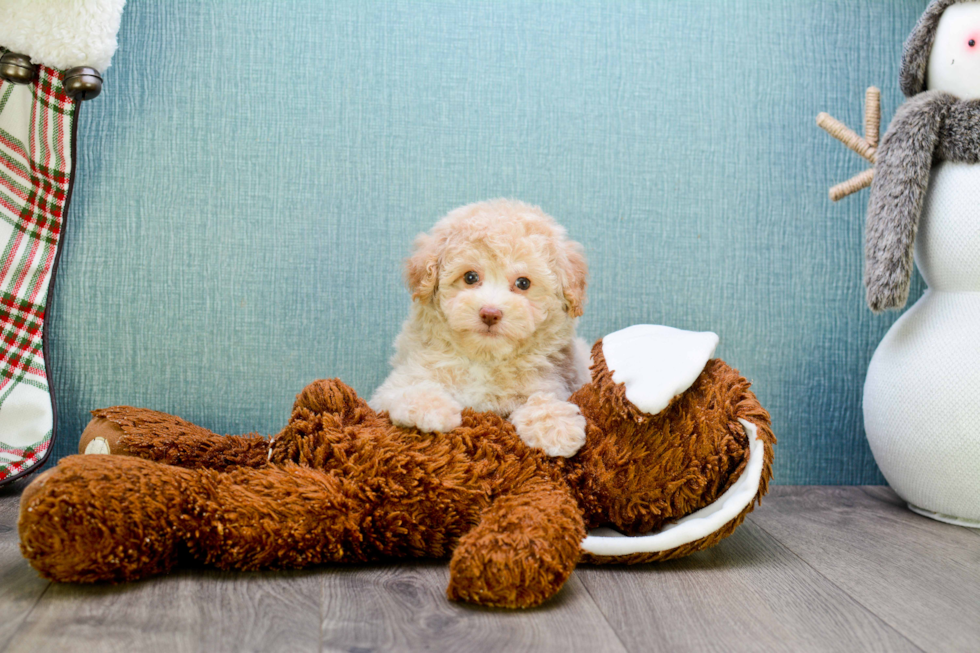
496	288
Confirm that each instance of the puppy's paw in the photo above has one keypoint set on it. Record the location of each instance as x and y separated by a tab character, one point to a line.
441	419
427	410
547	423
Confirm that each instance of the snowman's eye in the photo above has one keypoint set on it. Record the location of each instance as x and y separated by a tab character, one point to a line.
972	43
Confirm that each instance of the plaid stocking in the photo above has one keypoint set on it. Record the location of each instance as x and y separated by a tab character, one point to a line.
37	123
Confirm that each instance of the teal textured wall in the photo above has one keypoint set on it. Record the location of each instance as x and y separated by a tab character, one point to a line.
254	173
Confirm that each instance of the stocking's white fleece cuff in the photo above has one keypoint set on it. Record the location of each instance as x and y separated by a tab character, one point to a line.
62	34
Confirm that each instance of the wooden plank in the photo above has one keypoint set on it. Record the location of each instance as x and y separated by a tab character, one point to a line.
189	611
151	616
268	611
20	586
403	607
814	568
880	492
920	576
749	593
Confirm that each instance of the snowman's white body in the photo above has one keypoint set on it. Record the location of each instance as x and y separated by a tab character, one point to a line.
922	393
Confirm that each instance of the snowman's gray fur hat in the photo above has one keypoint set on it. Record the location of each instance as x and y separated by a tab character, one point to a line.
918	47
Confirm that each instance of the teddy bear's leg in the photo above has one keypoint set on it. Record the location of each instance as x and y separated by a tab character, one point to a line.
289	516
121	518
164	438
113	518
105	518
280	517
522	551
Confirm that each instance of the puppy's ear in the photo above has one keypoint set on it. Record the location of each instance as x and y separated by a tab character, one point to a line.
422	268
574	273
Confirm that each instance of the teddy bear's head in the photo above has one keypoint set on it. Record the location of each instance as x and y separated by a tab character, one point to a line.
708	454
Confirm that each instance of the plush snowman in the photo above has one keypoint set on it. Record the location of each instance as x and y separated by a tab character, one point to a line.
922	393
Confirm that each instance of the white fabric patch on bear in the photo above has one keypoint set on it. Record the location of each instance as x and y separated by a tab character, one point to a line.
97	446
656	363
704	522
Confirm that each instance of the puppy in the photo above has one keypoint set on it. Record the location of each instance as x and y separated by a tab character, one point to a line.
496	289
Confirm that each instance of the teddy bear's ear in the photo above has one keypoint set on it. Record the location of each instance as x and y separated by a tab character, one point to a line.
422	268
574	277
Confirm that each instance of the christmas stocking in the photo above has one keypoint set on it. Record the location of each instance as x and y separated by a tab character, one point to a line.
37	133
38	122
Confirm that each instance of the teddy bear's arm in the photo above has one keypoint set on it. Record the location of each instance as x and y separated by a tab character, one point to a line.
152	435
522	551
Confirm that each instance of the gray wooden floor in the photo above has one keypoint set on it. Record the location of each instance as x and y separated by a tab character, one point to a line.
816	568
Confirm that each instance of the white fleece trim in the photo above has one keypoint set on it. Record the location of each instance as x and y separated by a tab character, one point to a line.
704	522
62	34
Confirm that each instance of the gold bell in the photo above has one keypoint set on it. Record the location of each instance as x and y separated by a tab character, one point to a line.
83	83
17	68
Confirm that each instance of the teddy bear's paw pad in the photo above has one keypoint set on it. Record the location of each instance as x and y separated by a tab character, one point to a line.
656	363
556	427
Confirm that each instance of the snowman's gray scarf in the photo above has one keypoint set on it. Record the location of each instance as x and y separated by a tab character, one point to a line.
931	126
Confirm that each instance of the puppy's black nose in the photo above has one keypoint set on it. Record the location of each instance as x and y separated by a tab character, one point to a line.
490	315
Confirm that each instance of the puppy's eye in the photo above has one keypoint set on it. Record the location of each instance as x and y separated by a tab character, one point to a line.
522	283
471	277
972	43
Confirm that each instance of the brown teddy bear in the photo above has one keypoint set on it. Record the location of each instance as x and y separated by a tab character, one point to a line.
341	484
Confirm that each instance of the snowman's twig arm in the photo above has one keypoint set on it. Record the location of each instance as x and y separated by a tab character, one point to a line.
866	147
847	136
897	196
872	115
854	184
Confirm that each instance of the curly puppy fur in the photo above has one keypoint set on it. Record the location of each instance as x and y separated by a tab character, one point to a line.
497	287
